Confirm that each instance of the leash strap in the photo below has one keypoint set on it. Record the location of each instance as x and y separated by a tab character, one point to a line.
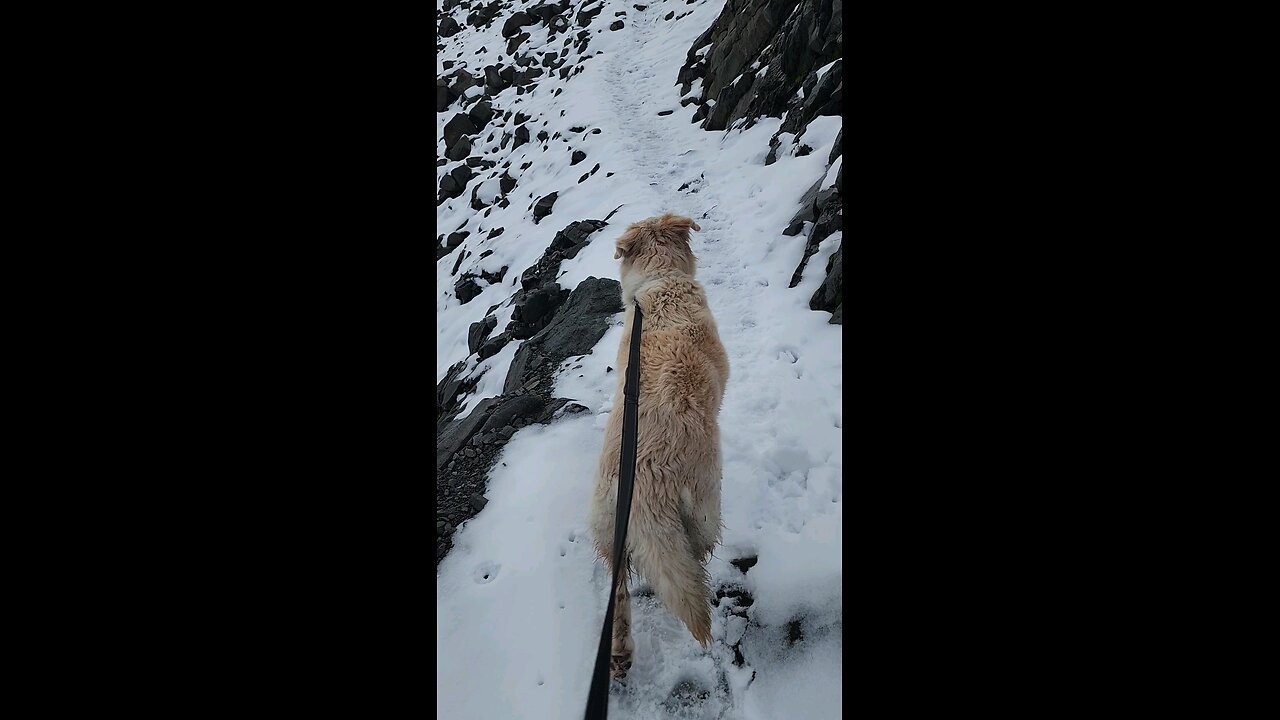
598	699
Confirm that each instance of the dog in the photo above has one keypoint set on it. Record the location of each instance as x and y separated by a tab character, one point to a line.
675	507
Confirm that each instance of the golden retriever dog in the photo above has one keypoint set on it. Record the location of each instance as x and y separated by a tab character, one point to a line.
675	506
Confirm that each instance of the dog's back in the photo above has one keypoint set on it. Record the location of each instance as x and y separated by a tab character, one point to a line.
675	512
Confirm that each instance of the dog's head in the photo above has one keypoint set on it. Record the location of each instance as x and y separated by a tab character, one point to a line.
658	243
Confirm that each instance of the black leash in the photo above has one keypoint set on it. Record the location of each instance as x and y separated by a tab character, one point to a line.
598	700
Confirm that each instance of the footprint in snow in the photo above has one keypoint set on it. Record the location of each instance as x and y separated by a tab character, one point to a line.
485	573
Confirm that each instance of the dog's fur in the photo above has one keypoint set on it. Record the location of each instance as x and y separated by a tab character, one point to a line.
675	507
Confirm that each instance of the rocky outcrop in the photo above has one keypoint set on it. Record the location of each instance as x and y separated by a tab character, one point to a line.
757	55
574	330
830	295
467	449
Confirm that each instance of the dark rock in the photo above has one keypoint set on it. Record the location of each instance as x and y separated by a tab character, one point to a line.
494	80
575	329
452	437
481	114
577	157
460	125
586	16
460	149
547	11
467	288
616	25
517	408
543	136
521	135
789	40
794	228
640	7
478	502
575	408
493	234
745	564
542	303
692	99
450	388
830	294
514	22
442	96
494	345
835	149
452	184
828	222
448	27
507	432
823	198
514	44
669	15
462	81
479	332
543	207
666	112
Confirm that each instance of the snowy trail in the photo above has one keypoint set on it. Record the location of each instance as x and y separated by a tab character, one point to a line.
522	595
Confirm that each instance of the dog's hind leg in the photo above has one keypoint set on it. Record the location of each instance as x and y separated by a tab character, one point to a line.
623	646
664	556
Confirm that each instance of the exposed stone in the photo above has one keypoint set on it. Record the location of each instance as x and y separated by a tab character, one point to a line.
830	295
543	207
479	332
481	114
493	345
575	329
460	149
828	222
514	22
458	126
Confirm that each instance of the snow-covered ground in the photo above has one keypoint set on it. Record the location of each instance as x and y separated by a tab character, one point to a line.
521	596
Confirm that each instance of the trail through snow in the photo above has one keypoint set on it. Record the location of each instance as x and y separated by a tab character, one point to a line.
521	595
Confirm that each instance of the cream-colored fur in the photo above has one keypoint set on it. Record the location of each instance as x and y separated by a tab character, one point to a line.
675	506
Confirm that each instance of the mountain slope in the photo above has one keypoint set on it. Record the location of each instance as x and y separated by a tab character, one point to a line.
521	596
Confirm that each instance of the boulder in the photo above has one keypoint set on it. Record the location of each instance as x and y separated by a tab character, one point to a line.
576	328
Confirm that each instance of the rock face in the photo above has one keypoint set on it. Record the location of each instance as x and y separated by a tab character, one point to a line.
575	330
760	54
830	295
467	449
770	57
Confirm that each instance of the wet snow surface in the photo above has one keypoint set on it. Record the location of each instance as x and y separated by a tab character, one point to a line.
521	598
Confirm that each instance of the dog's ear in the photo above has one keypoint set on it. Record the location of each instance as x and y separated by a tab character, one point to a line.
626	242
677	222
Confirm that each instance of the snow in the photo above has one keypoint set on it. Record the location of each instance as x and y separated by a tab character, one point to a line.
521	595
832	171
823	70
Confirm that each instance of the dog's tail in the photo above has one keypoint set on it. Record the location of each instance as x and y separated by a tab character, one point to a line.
663	555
